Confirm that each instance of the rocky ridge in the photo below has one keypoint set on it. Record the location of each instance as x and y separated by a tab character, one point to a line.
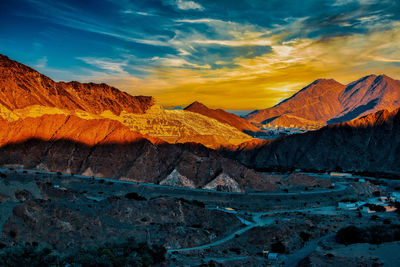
328	102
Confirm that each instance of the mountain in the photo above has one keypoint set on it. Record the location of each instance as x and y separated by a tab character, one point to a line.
57	127
317	102
179	126
327	102
25	93
106	148
368	95
370	143
22	86
223	116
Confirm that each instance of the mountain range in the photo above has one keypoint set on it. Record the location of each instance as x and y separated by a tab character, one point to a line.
25	93
328	101
370	143
96	129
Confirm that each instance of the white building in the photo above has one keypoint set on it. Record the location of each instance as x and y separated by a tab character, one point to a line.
395	196
347	206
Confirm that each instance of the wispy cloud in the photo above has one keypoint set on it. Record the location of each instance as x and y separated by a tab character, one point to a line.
170	49
188	5
111	65
130	11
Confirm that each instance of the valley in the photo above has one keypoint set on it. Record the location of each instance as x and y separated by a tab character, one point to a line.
85	166
225	227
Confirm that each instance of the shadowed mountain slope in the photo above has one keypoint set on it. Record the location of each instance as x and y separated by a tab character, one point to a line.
106	148
370	143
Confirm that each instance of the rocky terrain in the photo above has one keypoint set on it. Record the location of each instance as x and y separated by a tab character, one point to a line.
68	127
370	144
25	93
22	86
64	213
50	208
85	164
327	102
109	149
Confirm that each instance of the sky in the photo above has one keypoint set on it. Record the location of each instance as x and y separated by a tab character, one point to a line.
235	55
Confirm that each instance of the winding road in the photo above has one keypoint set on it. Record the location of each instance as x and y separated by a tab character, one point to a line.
258	221
338	186
257	217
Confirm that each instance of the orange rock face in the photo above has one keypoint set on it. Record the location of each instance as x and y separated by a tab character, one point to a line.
57	127
26	93
315	102
222	116
106	148
328	102
21	86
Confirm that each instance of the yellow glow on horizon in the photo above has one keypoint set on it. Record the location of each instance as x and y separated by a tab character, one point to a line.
263	81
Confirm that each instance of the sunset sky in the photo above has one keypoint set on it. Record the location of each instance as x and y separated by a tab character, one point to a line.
225	53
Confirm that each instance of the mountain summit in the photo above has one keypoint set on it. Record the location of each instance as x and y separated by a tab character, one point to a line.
368	95
328	101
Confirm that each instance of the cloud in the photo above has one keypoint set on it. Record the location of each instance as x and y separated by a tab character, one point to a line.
41	63
361	2
188	5
130	11
249	54
107	64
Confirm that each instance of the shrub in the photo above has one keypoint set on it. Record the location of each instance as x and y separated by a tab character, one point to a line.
126	253
376	194
27	255
375	208
134	196
278	247
305	236
235	250
376	234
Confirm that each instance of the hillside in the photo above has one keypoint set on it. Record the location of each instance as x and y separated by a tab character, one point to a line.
370	143
58	127
327	102
22	86
222	116
106	148
25	93
316	102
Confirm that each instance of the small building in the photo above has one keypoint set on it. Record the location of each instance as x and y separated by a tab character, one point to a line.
366	209
360	203
230	210
390	208
395	196
341	174
271	257
384	199
347	206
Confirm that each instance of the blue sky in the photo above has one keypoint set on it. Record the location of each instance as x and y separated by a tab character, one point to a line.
229	54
